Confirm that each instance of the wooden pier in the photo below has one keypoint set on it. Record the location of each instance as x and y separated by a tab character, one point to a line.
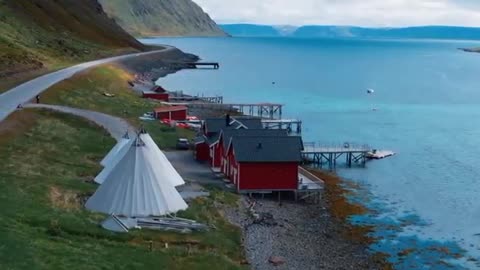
192	65
293	126
262	110
215	99
329	156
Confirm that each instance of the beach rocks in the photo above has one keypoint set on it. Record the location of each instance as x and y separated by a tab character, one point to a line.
295	236
276	261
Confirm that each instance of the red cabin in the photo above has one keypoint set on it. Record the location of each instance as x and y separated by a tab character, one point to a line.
227	134
172	113
201	150
157	96
259	164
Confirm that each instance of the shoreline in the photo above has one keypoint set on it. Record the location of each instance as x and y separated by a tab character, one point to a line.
329	240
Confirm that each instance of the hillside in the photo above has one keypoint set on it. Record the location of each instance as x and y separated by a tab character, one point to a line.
41	35
161	17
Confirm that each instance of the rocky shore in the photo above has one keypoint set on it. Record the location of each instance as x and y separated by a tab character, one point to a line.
296	236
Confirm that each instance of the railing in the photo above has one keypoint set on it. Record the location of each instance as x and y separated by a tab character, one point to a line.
336	146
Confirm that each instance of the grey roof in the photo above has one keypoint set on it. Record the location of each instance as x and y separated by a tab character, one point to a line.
229	133
216	124
199	139
267	149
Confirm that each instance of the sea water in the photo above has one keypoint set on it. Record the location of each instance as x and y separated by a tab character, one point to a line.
426	199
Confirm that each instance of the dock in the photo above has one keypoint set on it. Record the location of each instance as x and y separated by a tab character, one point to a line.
330	156
192	65
215	99
292	125
376	154
263	110
323	155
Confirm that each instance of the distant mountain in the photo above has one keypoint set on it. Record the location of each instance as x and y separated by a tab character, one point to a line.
422	32
314	31
161	17
251	30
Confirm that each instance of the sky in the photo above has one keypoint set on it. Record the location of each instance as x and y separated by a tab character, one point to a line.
373	13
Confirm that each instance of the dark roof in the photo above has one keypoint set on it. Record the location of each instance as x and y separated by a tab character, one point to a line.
200	139
267	149
213	138
216	124
170	109
229	133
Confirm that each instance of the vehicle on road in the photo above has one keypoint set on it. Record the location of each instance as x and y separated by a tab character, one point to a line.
183	144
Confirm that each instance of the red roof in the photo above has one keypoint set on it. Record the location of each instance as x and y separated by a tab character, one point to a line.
170	109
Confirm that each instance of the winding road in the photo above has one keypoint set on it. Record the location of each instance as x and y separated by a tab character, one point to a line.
116	126
28	90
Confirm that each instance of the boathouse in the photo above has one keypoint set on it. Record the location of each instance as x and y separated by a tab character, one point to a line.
226	135
264	164
154	95
212	126
172	113
211	129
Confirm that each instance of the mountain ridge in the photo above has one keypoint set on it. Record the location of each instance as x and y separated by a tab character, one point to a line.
144	18
44	35
332	31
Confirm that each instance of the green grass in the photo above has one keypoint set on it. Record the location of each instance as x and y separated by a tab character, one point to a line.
39	36
86	91
45	158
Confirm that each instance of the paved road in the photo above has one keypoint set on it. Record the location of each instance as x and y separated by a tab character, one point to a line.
27	91
192	170
114	125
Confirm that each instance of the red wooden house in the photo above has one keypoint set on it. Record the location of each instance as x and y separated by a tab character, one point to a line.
173	113
155	95
227	134
264	164
211	129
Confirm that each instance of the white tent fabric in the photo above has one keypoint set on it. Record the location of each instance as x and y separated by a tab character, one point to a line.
136	188
100	178
115	150
163	163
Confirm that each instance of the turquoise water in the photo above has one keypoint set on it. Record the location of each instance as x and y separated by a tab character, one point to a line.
427	95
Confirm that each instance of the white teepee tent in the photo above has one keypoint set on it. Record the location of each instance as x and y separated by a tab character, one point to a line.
115	150
163	163
135	187
100	178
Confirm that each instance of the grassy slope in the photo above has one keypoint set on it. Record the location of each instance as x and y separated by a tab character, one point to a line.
162	17
45	158
86	89
41	35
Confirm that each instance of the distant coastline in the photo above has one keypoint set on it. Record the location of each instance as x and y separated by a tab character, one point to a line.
471	50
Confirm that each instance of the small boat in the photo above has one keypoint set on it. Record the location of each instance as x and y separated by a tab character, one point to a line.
370	91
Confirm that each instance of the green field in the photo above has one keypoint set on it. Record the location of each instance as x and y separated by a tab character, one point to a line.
46	162
86	91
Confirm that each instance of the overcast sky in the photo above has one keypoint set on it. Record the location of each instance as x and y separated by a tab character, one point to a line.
345	12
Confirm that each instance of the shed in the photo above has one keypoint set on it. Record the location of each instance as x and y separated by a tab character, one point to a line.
259	164
155	95
176	113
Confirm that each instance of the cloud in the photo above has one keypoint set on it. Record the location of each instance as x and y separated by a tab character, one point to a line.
345	12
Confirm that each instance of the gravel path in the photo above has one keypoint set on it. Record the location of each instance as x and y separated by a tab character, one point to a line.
27	91
114	125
